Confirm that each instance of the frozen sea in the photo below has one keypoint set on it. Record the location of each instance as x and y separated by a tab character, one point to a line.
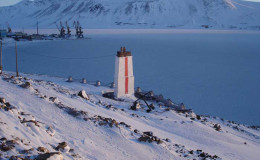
213	72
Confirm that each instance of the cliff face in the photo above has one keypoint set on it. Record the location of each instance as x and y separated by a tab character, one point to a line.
135	14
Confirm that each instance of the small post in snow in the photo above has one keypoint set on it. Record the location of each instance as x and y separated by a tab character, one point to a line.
98	83
17	74
1	66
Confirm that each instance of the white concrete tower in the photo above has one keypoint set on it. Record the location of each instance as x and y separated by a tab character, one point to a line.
124	76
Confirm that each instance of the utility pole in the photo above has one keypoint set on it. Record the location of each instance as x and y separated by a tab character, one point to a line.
37	28
17	74
1	66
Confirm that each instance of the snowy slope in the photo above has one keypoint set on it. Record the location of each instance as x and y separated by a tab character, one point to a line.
227	14
49	112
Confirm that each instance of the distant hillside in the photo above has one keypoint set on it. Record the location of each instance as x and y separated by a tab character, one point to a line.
226	14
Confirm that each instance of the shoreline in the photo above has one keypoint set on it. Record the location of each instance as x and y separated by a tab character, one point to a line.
146	31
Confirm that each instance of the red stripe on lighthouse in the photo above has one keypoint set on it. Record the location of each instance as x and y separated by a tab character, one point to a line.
126	75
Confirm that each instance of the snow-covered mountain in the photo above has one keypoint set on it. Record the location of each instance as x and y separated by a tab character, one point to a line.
227	14
45	117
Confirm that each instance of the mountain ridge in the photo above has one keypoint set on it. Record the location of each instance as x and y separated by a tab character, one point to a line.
220	14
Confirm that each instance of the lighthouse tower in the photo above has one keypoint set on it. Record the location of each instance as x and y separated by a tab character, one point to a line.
124	76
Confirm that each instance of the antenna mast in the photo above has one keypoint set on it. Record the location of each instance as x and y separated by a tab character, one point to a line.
37	28
1	67
17	74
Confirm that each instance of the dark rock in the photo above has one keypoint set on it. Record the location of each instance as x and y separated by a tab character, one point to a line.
53	99
62	146
26	85
159	141
42	149
109	106
145	138
167	140
128	126
122	123
198	150
136	131
7	104
11	142
30	121
6	148
2	106
215	157
27	151
46	155
217	127
2	100
202	154
114	122
83	94
149	133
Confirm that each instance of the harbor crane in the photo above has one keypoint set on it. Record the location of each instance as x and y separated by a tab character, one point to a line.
8	27
68	29
79	31
61	30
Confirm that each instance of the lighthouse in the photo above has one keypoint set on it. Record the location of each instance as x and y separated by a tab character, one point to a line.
124	76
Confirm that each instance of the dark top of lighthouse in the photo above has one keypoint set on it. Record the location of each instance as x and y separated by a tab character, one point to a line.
123	52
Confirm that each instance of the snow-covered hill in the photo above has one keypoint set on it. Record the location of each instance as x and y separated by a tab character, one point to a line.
221	14
43	116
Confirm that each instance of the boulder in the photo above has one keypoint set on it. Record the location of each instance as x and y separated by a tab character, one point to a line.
2	106
26	85
83	94
159	141
2	100
54	99
149	133
217	127
5	147
137	131
42	149
63	146
50	156
145	138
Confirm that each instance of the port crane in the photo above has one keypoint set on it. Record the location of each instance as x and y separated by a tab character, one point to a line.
79	31
68	29
8	27
61	30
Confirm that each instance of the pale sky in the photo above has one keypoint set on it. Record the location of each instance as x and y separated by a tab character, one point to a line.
8	2
11	2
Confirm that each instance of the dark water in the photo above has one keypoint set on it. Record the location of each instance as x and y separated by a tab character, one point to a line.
215	74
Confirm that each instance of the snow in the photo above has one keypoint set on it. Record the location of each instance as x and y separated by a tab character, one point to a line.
220	14
90	140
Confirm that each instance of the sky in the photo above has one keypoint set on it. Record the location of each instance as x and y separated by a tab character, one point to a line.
8	2
11	2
